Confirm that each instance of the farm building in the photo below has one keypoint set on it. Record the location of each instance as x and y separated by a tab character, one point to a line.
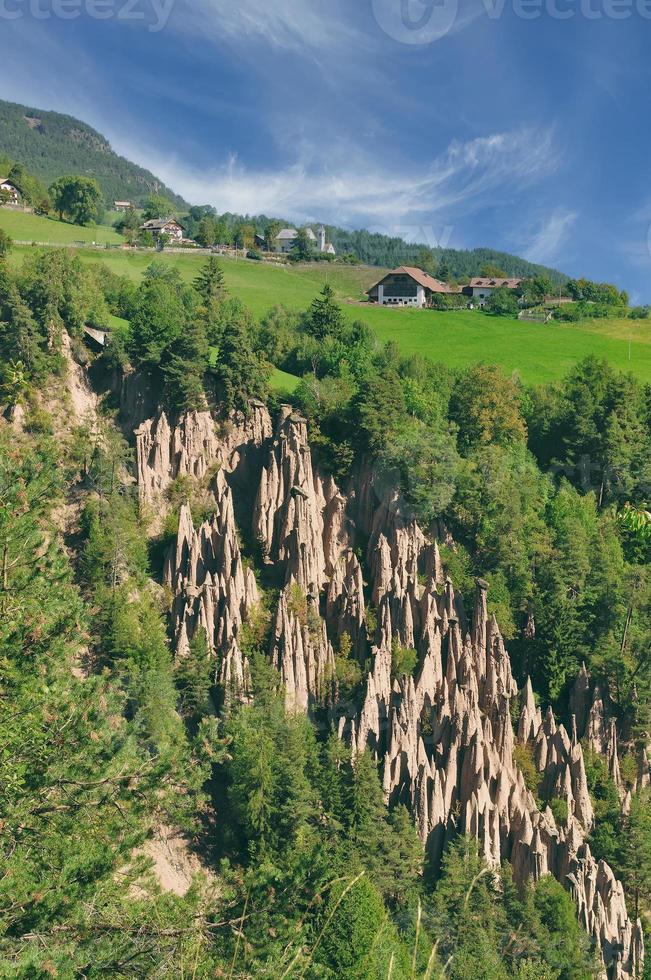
164	226
407	286
479	289
11	189
122	205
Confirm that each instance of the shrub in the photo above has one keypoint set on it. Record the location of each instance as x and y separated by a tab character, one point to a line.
523	758
559	809
403	659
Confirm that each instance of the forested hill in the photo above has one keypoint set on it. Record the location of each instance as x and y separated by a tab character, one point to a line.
389	251
386	251
49	145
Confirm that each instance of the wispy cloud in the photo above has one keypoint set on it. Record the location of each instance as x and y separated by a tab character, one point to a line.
282	24
546	243
354	189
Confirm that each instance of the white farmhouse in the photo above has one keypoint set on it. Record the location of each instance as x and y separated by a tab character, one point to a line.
480	288
11	189
407	286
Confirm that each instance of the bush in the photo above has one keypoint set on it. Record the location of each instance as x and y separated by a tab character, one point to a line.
523	758
347	670
403	659
559	809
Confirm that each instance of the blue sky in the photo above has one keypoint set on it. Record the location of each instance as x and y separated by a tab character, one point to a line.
517	124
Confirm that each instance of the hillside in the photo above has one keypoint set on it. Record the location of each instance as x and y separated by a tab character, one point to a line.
24	227
389	251
351	687
50	144
536	352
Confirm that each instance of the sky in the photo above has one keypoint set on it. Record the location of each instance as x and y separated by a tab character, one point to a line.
521	125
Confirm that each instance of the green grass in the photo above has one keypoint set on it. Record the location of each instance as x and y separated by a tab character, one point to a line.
35	228
260	285
283	382
538	352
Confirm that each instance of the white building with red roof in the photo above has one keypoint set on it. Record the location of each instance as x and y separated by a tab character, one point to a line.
481	287
407	286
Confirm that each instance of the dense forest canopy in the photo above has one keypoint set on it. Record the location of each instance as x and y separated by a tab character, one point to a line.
305	872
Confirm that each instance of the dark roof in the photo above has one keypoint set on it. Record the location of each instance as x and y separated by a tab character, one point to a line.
422	278
158	223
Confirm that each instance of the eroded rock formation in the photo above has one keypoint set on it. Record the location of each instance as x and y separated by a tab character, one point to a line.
194	444
443	737
298	518
213	590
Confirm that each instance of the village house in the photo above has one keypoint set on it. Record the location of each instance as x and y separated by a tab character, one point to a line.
407	286
11	189
164	226
122	205
480	288
286	239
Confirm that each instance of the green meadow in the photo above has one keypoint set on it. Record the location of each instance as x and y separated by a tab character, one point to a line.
36	228
537	352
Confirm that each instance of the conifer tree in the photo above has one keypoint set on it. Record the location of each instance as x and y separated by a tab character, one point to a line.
324	317
210	283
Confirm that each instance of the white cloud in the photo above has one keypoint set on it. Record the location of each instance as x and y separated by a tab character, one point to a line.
354	189
553	232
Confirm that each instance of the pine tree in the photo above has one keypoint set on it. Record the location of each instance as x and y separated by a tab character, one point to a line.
210	283
636	852
184	367
240	373
324	317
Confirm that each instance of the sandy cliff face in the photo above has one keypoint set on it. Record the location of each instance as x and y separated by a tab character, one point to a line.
443	737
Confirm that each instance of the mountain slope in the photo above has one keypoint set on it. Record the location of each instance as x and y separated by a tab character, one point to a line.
50	144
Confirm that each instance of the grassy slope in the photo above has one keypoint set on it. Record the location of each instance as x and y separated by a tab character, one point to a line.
538	352
282	382
34	228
